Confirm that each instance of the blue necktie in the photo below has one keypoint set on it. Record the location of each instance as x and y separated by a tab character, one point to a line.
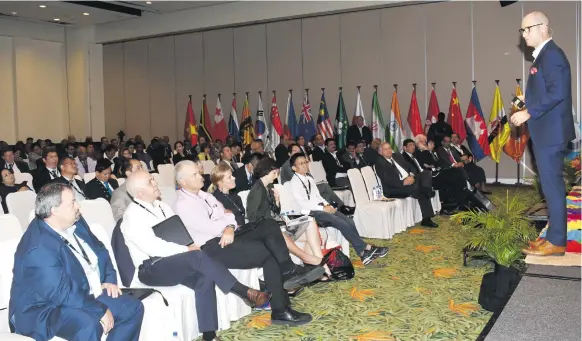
107	187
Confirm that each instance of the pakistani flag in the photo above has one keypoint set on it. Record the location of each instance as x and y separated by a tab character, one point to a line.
341	122
378	127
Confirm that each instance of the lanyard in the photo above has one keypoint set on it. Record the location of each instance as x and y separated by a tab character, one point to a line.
152	213
232	202
207	204
306	190
83	254
72	183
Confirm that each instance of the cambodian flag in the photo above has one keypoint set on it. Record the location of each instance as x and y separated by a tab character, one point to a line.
477	135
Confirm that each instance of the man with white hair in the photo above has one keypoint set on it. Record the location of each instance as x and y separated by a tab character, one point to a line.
162	263
64	282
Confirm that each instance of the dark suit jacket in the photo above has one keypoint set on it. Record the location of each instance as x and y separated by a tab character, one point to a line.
306	150
347	159
48	276
389	175
426	157
95	189
281	155
438	131
353	134
80	183
332	168
41	178
241	180
371	155
411	163
548	98
22	166
260	203
444	161
317	154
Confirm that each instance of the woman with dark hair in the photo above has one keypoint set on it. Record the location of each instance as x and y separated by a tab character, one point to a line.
204	152
180	153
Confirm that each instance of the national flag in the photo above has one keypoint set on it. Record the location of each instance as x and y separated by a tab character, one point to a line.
233	127
261	126
395	128
359	110
499	127
378	127
324	127
247	130
477	135
517	143
306	124
220	131
433	111
205	128
455	118
190	129
276	130
341	122
414	122
291	128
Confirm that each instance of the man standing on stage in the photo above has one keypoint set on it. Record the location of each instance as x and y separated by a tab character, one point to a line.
548	102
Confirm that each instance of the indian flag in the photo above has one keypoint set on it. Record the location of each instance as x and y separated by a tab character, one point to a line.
396	131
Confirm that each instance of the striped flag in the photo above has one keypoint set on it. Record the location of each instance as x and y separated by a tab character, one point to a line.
378	127
499	126
205	127
276	130
476	128
247	129
306	126
324	127
233	127
396	131
291	128
261	126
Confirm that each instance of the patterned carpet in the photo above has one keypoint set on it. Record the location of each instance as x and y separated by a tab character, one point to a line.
420	291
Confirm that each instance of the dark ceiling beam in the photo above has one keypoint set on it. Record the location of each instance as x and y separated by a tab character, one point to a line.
108	6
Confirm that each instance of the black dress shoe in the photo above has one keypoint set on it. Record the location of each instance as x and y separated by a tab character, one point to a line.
290	318
302	275
428	223
346	210
486	192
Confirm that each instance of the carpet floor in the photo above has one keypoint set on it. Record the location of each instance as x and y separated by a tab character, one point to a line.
420	291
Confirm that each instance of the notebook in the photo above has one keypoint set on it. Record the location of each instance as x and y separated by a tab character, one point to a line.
173	230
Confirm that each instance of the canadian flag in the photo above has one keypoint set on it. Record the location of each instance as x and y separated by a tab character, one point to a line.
220	130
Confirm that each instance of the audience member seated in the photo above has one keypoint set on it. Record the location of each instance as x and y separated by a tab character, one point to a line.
9	163
476	174
359	132
263	203
305	149
351	157
85	164
324	188
336	169
141	155
102	186
398	181
371	152
236	153
307	197
319	149
8	186
226	157
92	153
257	245
34	155
161	263
69	150
120	199
204	154
64	282
49	170
181	153
244	175
68	169
450	158
422	176
281	153
439	130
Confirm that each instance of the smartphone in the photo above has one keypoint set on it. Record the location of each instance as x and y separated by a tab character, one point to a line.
519	104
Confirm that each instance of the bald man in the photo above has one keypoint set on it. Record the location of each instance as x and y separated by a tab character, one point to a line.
548	113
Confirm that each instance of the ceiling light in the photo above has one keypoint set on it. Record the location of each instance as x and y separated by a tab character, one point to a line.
148	2
42	6
14	13
85	13
56	19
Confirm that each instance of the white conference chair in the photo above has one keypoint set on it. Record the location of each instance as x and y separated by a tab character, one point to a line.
208	166
88	177
156	177
20	204
98	211
373	219
10	227
21	177
120	181
144	166
167	175
316	169
169	195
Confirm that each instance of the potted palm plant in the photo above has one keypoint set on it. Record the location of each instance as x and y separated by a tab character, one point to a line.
500	234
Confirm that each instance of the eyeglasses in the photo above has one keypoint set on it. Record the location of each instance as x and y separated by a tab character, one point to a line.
528	28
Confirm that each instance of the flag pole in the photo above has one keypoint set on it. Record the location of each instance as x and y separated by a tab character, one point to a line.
496	182
518	183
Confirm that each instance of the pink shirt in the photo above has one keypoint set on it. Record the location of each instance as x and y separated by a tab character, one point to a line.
203	215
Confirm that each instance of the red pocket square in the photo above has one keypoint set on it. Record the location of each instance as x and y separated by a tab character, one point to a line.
533	70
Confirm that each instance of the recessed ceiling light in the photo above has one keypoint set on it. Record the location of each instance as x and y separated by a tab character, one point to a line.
85	13
148	2
14	13
56	19
42	6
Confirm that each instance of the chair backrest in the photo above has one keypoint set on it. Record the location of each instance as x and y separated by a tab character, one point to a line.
144	166
88	177
286	198
208	166
20	204
21	177
157	178
316	169
7	251
10	227
167	175
370	180
358	187
168	195
120	181
99	212
105	238
243	196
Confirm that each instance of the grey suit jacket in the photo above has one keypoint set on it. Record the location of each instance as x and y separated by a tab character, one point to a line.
120	200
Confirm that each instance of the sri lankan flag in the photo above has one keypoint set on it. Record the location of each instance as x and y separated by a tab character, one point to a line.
498	125
247	129
205	127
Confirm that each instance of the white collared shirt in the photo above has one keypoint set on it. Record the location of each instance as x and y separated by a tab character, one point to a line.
91	271
14	167
106	185
403	173
337	161
458	148
139	236
300	186
79	194
538	49
53	170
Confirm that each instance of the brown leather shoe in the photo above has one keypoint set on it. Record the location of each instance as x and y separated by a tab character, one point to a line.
546	249
257	298
536	243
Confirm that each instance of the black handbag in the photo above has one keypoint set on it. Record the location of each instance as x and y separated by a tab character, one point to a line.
142	293
339	264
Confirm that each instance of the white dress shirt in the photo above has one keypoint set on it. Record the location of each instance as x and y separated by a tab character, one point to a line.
338	174
79	194
54	171
538	49
300	186
90	165
403	173
91	271
139	236
14	167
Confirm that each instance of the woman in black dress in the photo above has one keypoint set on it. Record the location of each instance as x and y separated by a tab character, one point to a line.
8	186
181	153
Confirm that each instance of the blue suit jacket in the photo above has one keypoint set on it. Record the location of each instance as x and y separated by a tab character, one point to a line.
548	98
47	276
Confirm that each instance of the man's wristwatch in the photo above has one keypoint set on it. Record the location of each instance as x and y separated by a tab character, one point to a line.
231	226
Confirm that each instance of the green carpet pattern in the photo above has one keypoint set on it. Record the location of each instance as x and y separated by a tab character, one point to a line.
419	291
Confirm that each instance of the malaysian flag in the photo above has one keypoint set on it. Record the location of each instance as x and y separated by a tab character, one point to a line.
324	127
